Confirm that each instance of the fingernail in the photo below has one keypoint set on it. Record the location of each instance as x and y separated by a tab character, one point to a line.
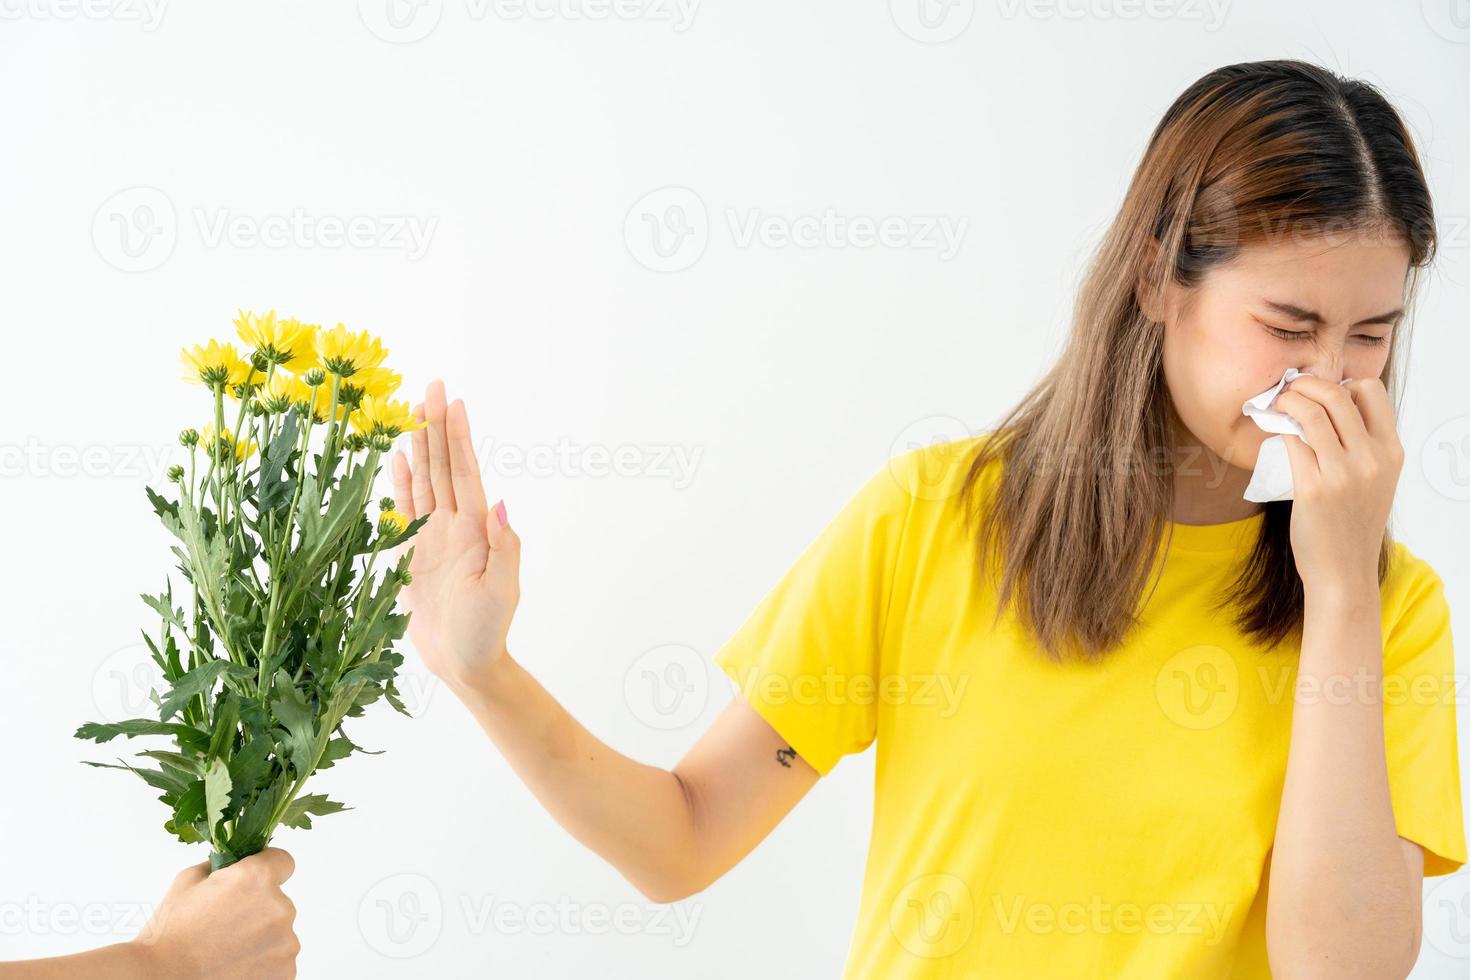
500	512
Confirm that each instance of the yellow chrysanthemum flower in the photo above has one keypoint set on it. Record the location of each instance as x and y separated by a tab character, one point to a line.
243	450
317	401
280	393
287	342
380	416
378	382
214	365
392	522
344	353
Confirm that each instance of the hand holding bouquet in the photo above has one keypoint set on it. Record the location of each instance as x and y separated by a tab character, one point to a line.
284	629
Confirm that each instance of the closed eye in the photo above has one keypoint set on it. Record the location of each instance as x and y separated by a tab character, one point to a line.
1304	334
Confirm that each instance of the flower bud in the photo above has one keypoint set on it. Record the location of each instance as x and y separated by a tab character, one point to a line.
391	523
381	443
315	377
189	437
176	474
385	503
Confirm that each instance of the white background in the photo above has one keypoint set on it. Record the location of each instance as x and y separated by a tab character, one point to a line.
521	144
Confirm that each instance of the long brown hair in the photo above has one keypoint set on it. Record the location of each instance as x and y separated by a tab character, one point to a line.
1246	152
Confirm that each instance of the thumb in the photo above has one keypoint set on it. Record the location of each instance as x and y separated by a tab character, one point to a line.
505	544
189	877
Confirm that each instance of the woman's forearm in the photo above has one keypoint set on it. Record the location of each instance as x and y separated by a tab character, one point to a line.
1342	900
638	817
120	961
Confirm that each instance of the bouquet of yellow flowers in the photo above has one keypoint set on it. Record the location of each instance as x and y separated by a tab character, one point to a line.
284	629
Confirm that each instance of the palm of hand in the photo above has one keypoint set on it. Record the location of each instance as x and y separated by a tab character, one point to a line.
465	563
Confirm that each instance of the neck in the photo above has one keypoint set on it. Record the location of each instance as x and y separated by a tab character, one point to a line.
1207	489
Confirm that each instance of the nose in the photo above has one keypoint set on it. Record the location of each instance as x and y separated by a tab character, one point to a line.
1326	363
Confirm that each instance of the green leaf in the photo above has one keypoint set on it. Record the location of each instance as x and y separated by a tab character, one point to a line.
167	510
299	813
322	532
374	672
391	693
226	716
295	715
198	681
183	763
340	748
216	792
207	556
190	805
188	736
255	718
170	781
163	605
250	769
251	826
186	832
173	668
276	487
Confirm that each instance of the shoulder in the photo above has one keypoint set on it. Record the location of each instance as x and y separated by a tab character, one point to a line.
1416	613
1410	578
934	473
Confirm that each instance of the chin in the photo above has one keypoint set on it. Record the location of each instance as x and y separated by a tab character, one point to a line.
1245	447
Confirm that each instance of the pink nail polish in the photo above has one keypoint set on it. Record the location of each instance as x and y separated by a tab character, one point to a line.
500	513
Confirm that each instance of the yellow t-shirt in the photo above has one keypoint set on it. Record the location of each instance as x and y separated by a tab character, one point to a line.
1037	821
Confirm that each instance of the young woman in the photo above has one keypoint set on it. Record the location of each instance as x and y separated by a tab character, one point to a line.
1185	735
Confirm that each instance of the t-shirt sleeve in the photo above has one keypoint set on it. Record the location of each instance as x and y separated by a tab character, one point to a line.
1420	725
808	658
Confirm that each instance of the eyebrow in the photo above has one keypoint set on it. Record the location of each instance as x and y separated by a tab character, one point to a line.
1312	316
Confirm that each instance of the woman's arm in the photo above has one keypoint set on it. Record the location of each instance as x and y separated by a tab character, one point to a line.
669	833
121	961
1345	889
234	924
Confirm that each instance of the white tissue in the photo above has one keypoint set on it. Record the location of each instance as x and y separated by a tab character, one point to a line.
1271	479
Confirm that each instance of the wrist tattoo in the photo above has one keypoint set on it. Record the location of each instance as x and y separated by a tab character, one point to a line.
784	756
